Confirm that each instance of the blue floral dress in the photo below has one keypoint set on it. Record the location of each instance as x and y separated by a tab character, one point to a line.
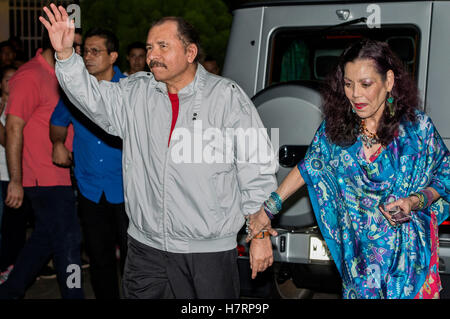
376	260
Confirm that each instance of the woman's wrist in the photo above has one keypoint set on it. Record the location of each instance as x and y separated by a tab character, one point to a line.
273	205
414	199
422	199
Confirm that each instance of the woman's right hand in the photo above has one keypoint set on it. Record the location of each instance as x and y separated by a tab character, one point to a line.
257	222
61	31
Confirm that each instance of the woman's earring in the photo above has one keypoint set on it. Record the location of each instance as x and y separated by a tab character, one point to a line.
390	104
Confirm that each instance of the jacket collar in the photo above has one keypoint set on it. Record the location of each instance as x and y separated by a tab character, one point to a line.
193	87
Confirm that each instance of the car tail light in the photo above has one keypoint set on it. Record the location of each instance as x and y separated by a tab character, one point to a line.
241	250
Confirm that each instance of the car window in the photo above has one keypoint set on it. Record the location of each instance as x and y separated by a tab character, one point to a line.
311	54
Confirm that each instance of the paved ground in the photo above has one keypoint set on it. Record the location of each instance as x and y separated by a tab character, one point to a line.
49	289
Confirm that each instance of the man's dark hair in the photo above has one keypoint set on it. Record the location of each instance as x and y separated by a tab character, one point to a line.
46	43
186	33
5	44
136	45
112	43
209	58
5	69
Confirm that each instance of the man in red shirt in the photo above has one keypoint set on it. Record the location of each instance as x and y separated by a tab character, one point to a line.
34	93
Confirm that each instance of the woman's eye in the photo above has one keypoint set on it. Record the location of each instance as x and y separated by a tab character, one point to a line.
366	85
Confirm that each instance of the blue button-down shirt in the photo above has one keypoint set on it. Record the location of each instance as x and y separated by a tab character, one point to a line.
97	155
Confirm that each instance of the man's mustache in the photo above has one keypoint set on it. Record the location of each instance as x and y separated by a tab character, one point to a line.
157	64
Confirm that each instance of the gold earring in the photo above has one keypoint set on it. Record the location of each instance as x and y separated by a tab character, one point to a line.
390	104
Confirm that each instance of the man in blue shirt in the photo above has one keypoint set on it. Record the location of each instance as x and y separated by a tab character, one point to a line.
97	169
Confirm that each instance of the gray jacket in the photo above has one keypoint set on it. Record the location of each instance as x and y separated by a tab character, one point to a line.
179	198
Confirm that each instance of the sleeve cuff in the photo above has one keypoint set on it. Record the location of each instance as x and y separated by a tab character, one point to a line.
64	60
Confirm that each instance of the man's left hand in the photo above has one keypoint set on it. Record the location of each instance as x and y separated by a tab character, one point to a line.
261	255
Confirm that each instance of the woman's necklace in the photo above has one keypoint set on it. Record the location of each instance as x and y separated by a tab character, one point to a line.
369	139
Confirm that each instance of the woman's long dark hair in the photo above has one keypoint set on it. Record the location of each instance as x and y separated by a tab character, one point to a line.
342	125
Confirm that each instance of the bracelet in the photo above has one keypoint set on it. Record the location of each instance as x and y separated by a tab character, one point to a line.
273	205
270	203
262	234
247	228
425	197
277	199
421	198
270	209
268	212
429	196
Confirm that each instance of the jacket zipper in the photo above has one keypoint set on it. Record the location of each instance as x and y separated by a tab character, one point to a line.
166	159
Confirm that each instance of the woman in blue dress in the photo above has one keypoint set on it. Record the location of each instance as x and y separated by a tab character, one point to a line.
378	176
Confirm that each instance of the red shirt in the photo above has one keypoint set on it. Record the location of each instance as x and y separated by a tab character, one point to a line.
175	107
34	94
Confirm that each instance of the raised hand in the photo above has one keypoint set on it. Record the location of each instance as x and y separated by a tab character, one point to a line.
61	31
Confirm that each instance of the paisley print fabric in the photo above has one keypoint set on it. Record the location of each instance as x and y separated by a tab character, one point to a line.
376	260
432	285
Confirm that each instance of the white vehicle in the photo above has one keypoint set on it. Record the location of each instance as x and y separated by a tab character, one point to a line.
280	52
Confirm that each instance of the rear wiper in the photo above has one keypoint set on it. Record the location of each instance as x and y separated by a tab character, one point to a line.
363	19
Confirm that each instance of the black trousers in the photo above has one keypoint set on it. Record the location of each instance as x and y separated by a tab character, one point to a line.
13	229
104	226
56	233
151	273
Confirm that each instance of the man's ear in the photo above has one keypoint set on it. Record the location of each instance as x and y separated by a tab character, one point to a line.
191	52
113	57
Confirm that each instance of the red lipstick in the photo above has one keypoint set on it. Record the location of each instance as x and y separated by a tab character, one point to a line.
360	106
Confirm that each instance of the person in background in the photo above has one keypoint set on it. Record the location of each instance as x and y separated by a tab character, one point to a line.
210	65
78	41
136	55
7	54
34	93
97	170
17	44
5	75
